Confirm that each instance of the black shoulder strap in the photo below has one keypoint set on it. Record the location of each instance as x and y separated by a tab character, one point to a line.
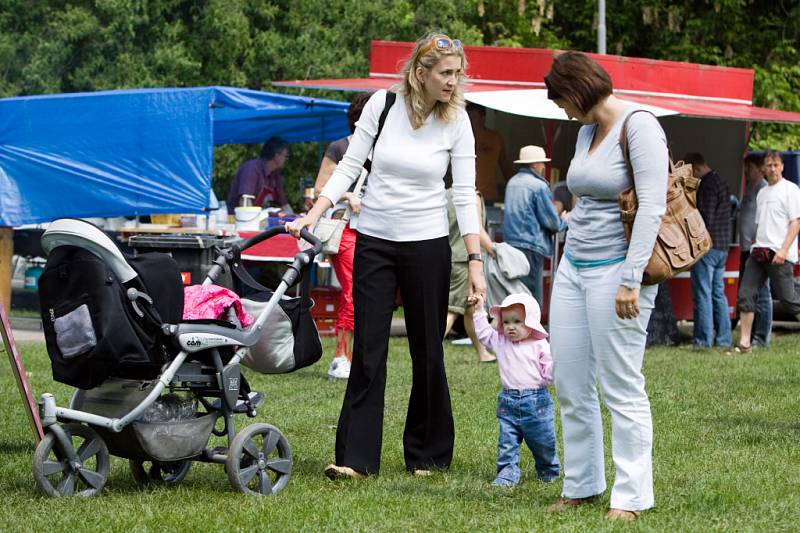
390	99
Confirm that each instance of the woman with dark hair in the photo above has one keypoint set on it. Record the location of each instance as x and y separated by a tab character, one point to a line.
261	178
343	261
600	310
403	243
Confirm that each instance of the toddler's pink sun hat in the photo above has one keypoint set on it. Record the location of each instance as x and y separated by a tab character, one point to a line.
533	315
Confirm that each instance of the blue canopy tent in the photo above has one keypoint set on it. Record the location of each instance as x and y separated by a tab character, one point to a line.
144	151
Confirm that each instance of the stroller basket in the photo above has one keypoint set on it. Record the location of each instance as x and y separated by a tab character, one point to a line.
162	441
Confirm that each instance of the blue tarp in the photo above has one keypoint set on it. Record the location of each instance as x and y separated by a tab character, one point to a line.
145	151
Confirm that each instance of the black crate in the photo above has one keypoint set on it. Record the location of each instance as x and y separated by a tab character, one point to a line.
193	253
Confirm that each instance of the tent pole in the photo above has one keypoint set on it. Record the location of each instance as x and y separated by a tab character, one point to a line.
6	252
601	26
550	135
748	132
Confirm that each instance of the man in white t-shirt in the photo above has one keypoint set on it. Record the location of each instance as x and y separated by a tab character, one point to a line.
774	249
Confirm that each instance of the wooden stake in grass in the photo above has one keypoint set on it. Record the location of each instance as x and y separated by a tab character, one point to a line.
6	253
21	377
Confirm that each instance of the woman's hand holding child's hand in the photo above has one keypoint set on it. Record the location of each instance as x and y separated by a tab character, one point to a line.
476	301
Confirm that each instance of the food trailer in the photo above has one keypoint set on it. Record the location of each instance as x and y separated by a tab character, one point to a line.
702	108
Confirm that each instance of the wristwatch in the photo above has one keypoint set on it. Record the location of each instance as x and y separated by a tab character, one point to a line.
475	257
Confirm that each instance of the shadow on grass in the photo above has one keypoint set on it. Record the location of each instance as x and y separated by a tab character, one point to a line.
24	446
766	428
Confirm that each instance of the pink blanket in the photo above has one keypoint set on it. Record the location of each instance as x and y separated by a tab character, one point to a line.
212	301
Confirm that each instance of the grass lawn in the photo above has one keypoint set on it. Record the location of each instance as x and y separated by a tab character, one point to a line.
726	457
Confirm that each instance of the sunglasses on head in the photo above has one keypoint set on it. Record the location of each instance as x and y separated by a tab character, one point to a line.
441	43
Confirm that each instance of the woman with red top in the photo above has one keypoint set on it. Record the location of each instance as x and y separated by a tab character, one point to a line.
343	261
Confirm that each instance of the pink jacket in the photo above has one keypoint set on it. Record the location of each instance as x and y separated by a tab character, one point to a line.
523	365
212	301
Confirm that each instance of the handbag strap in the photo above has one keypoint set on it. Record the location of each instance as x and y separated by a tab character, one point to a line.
391	97
625	148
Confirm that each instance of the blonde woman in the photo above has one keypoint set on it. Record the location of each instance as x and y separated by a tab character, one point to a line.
403	243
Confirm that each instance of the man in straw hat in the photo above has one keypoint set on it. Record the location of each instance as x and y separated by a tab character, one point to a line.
530	218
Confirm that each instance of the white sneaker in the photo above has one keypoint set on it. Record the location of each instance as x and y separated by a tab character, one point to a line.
340	368
462	342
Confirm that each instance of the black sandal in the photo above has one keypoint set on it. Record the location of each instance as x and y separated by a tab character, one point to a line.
741	348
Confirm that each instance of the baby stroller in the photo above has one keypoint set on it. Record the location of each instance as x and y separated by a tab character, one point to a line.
113	329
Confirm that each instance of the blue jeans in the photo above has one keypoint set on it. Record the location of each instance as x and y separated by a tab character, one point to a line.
710	305
526	414
534	278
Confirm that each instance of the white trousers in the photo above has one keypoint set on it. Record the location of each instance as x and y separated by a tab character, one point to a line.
591	344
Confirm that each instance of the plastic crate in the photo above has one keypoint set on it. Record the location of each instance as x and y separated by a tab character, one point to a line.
193	253
326	327
326	302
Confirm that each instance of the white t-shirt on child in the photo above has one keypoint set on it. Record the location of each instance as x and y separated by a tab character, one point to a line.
776	206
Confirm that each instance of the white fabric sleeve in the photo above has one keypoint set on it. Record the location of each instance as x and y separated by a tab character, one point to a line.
349	168
462	161
650	161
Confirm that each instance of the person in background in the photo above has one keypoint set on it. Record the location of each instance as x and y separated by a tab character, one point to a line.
754	182
774	250
457	303
600	310
490	153
342	262
712	322
402	243
524	407
261	178
530	219
562	198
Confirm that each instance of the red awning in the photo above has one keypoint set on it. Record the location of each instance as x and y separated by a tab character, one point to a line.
705	108
689	106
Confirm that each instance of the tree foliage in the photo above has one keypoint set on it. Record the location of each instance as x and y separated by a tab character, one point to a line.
49	46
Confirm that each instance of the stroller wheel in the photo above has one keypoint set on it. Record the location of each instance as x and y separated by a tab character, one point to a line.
56	475
259	460
147	473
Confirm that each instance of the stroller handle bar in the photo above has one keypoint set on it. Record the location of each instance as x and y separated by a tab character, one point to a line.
305	257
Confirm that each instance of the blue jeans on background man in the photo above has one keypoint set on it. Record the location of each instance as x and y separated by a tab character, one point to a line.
711	314
534	278
526	415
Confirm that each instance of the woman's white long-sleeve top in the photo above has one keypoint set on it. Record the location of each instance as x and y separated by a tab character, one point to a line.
405	197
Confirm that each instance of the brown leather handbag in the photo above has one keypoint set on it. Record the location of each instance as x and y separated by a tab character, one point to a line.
682	238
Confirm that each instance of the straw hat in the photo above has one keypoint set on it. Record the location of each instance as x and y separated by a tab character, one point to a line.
532	154
533	315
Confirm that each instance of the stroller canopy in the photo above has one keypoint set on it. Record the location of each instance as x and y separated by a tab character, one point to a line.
144	151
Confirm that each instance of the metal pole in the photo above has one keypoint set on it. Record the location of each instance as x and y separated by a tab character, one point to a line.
601	26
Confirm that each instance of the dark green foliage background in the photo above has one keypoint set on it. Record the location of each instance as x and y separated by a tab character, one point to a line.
49	46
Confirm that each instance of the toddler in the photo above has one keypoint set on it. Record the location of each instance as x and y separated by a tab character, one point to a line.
524	407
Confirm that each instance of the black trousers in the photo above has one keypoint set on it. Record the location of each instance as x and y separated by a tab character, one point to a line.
421	270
